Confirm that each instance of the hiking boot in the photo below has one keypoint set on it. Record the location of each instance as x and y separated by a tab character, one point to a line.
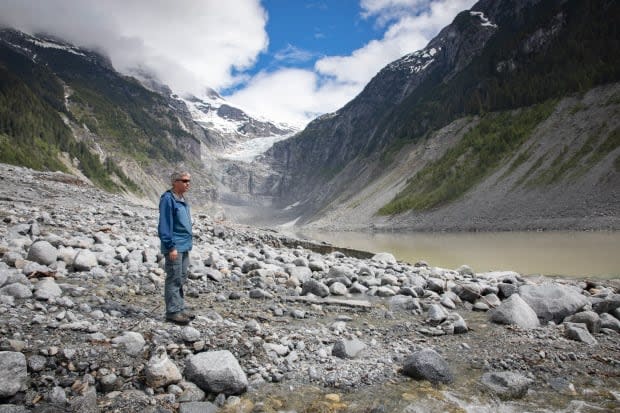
178	318
189	314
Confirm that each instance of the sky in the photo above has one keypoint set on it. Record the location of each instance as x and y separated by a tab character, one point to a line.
284	60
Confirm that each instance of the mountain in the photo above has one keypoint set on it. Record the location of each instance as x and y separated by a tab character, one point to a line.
66	108
481	91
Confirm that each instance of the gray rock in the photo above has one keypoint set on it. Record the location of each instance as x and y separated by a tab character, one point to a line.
216	372
589	318
42	252
190	334
250	265
506	290
385	292
303	274
403	303
13	408
57	396
436	314
317	265
491	300
36	363
278	349
214	275
109	382
160	371
13	373
132	342
427	364
552	302
459	324
384	257
338	271
191	392
86	403
315	287
611	322
607	304
85	260
468	291
259	293
3	277
465	270
514	311
338	288
579	332
17	290
357	288
348	348
506	384
198	407
47	289
435	284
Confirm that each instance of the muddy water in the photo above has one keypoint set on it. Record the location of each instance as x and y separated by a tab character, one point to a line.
574	254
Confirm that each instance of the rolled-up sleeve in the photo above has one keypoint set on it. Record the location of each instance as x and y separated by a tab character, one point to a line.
164	229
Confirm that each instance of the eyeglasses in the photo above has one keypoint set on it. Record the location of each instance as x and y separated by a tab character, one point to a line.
185	181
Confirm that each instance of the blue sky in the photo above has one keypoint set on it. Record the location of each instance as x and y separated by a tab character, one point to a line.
285	60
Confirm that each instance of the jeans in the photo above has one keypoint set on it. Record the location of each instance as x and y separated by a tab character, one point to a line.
176	275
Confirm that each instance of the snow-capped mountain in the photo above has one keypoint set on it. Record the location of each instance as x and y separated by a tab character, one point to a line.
218	116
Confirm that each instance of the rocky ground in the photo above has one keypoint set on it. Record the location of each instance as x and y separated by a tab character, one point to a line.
280	326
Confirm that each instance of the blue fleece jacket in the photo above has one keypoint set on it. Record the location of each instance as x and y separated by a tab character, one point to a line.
175	224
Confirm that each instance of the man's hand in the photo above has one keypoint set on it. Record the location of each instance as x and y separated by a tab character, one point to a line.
173	254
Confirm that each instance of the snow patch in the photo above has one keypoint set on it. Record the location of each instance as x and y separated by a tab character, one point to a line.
415	62
485	22
50	45
247	151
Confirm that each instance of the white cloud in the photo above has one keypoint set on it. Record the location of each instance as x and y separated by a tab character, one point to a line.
297	96
191	44
186	43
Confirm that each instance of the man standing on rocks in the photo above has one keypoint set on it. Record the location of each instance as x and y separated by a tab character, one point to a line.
175	234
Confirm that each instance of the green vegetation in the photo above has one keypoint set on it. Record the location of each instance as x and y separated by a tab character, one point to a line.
32	134
480	152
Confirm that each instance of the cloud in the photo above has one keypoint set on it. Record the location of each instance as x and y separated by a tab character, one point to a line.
293	54
185	43
299	95
191	44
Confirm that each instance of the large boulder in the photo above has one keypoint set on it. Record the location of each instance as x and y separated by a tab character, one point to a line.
384	257
216	372
42	252
506	384
552	302
13	373
427	364
514	311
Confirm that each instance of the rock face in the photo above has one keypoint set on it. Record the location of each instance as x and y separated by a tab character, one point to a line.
514	311
552	302
13	373
427	364
507	385
217	372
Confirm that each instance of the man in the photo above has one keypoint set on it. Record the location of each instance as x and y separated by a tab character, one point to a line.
175	234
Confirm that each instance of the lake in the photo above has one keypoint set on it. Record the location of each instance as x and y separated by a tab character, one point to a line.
574	254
